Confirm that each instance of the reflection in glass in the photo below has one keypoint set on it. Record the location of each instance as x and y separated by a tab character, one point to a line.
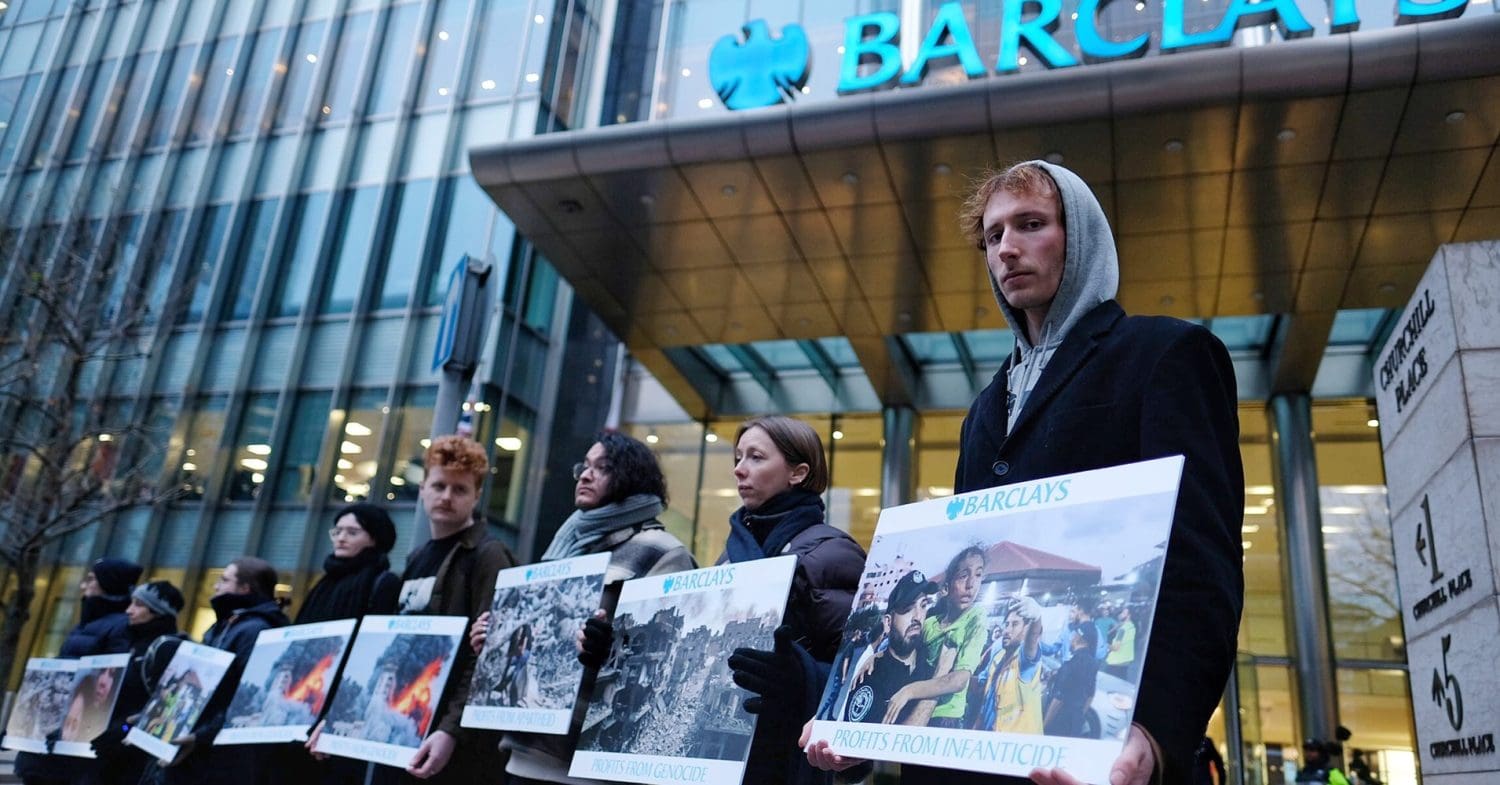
298	467
201	263
175	92
395	59
356	233
499	44
405	254
251	257
301	71
255	82
358	460
440	77
220	68
301	259
354	37
200	445
252	449
411	445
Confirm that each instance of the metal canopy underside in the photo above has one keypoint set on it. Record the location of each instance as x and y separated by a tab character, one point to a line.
1300	178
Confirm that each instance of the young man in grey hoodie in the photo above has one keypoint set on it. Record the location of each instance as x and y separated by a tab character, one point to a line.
1089	387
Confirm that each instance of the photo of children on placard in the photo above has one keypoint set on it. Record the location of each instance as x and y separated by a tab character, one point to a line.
41	705
185	688
285	684
391	686
1021	624
96	685
529	659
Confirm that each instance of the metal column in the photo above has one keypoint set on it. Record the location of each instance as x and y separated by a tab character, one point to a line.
896	475
1295	474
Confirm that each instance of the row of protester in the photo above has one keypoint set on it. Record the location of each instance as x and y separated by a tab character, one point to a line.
403	693
1099	488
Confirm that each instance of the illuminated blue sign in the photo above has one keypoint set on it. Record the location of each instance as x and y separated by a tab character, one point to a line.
760	70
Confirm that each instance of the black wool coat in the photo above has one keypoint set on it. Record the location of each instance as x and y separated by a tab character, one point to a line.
1121	389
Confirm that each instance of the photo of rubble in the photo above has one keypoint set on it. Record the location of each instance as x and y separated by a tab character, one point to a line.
529	659
666	689
41	704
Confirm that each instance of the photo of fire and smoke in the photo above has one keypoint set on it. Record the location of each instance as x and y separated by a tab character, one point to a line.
390	687
666	689
285	684
529	660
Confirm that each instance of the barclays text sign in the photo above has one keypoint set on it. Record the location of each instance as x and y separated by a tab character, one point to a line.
762	70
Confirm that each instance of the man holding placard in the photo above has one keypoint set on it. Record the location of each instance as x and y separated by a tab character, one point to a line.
453	574
1087	388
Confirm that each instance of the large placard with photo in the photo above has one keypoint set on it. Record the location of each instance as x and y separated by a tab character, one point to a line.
41	704
665	708
286	682
185	689
96	687
528	675
390	688
1004	630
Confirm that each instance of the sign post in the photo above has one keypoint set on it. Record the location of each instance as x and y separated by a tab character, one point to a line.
456	353
1437	383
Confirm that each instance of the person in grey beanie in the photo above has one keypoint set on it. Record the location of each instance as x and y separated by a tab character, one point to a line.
152	614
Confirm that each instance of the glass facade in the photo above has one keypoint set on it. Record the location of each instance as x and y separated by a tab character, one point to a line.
287	184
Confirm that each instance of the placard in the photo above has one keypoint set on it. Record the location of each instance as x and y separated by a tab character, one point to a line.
286	682
665	708
96	687
1042	592
41	704
390	688
185	688
528	676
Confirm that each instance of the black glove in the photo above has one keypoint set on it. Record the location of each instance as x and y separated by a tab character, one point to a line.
52	739
598	639
110	741
774	676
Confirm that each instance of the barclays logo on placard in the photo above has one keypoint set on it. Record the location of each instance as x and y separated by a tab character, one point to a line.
545	571
760	70
703	579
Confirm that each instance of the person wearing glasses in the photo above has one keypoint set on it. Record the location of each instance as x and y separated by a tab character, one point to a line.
620	495
357	577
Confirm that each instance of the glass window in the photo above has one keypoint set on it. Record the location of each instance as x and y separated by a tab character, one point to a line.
54	117
255	82
19	50
195	27
677	447
132	101
253	244
301	259
220	72
157	279
406	246
507	467
187	177
717	497
200	445
854	460
1376	707
424	157
411	445
201	263
1263	625
299	80
536	55
276	165
439	80
541	296
499	54
1361	564
15	96
395	59
353	45
358	459
159	27
375	147
326	159
88	105
298	467
356	235
468	208
237	16
174	94
252	449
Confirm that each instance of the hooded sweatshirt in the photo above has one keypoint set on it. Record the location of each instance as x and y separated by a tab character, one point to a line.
1091	276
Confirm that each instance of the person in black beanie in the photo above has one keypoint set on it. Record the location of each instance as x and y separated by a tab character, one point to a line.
356	581
152	614
105	592
356	577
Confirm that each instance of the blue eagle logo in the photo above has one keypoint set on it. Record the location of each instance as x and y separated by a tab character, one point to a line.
955	507
666	586
761	70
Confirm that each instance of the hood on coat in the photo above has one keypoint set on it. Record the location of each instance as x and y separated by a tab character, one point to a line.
1091	268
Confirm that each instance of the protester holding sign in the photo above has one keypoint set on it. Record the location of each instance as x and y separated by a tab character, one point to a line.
105	591
781	474
152	616
453	574
1088	387
244	604
619	493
